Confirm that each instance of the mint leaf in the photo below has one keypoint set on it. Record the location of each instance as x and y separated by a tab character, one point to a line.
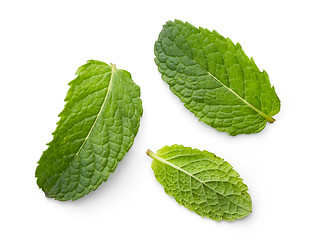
215	79
96	129
202	182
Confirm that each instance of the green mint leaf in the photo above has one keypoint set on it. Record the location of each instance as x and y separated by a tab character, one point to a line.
96	129
215	79
202	182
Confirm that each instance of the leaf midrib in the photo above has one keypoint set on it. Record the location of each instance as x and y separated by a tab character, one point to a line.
268	118
113	69
156	157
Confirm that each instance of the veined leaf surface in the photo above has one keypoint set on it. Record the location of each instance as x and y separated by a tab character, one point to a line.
96	129
202	182
215	79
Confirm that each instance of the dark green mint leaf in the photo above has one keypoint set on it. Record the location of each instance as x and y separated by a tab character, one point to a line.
215	79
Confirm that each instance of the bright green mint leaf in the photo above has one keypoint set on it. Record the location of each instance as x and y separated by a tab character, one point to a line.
215	79
202	182
96	129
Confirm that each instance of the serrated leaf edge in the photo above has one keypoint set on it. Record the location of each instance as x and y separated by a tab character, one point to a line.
113	69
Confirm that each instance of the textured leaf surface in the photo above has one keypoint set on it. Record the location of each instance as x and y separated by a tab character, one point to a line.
215	79
96	129
202	182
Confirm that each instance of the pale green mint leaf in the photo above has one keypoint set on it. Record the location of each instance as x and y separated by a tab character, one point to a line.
202	182
96	129
215	79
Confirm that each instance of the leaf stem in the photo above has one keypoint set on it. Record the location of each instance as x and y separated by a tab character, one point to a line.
268	118
150	153
113	66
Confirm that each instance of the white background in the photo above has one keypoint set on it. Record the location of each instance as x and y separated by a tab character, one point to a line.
42	43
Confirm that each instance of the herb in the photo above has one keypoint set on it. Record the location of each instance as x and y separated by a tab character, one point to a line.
202	182
96	129
215	79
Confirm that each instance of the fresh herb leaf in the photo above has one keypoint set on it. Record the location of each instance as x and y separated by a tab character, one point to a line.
96	129
202	182
215	79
